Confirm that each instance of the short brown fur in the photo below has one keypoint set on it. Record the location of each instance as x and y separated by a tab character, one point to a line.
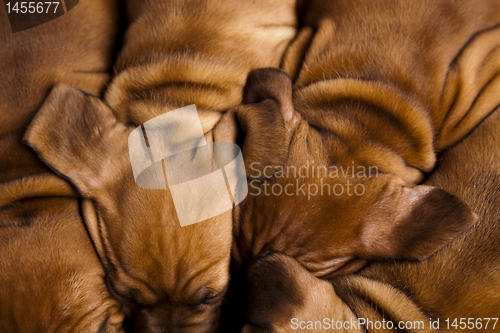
51	279
459	281
175	53
370	91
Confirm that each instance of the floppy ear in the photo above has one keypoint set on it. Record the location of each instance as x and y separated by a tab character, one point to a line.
422	220
277	289
266	117
270	289
78	137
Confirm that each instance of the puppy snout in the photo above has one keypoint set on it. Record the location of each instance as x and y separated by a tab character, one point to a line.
248	328
161	320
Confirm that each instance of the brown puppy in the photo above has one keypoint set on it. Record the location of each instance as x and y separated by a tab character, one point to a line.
460	281
367	96
51	279
168	277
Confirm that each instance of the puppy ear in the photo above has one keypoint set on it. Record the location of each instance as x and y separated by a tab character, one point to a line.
423	220
77	136
271	291
266	118
277	288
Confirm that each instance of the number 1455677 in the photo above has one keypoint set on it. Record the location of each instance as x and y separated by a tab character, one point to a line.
31	7
471	323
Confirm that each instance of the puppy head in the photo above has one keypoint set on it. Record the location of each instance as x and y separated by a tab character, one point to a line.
333	220
279	294
165	275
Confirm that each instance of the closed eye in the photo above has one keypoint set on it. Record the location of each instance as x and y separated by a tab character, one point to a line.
211	299
210	296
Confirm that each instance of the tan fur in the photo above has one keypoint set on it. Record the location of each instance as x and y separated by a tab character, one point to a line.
368	93
164	275
199	52
278	289
332	234
439	55
373	85
462	280
175	53
459	281
431	66
51	279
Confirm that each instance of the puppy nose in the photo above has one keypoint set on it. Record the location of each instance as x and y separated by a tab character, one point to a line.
160	321
248	328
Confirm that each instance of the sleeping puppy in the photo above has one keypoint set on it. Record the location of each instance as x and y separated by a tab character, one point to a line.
175	53
461	280
51	279
165	276
380	86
